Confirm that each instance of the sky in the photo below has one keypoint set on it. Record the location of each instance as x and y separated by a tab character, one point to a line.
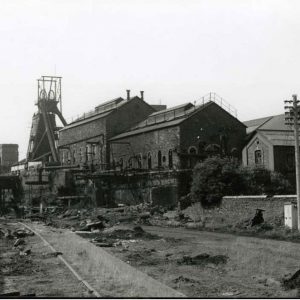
176	51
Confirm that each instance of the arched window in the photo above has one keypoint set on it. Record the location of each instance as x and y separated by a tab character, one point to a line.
74	156
80	154
139	160
159	159
192	150
69	156
86	153
170	159
129	163
258	157
149	161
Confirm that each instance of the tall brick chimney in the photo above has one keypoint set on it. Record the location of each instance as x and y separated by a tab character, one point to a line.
128	94
142	95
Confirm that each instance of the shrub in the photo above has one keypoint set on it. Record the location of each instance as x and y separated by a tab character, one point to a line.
259	180
216	177
213	178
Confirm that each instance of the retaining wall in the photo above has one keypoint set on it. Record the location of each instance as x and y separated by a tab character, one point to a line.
236	210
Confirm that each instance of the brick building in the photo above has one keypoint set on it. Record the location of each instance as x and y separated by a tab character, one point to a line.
85	141
9	154
270	143
174	140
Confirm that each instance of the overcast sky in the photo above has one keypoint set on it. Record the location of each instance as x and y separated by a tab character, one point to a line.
176	51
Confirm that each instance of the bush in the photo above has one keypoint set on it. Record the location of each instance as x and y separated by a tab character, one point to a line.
214	178
259	180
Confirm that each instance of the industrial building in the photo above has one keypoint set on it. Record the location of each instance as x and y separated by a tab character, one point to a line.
9	155
270	143
165	147
85	142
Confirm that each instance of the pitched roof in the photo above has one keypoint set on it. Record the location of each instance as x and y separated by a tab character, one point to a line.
276	122
167	118
273	129
166	115
99	112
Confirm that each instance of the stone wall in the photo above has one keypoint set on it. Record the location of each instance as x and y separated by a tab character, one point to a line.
145	144
213	125
236	210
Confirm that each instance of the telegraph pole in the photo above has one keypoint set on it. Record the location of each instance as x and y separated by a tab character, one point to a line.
292	117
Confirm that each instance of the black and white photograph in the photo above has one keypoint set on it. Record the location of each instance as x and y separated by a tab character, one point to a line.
150	149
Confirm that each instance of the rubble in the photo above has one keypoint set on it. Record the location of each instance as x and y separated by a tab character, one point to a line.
202	259
25	252
19	242
52	254
22	232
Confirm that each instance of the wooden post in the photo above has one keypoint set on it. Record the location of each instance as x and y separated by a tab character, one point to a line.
297	159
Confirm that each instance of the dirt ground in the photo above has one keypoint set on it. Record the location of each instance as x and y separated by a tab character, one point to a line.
195	263
37	274
205	265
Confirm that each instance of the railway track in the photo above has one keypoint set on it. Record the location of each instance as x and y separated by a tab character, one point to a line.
102	274
91	290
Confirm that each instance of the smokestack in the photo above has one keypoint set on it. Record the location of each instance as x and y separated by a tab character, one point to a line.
142	95
128	94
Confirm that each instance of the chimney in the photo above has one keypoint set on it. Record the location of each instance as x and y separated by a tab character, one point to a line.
128	94
142	95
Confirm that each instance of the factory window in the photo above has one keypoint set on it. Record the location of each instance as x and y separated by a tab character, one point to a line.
258	157
93	154
149	161
121	163
80	154
74	156
129	163
159	159
69	156
170	159
86	153
139	160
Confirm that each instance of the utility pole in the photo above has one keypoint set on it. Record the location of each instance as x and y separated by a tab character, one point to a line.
292	117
